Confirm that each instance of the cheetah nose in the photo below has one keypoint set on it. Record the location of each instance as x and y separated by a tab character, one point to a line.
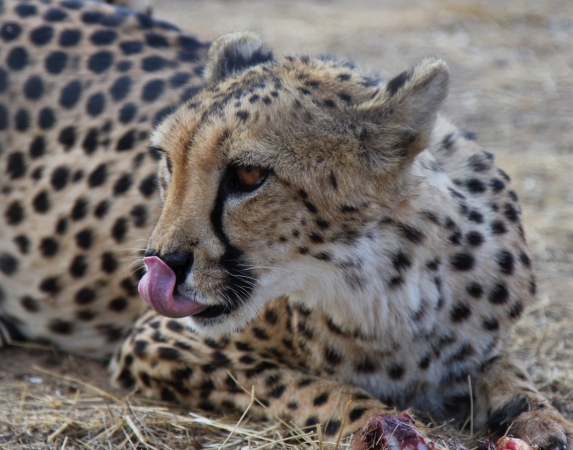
180	263
156	288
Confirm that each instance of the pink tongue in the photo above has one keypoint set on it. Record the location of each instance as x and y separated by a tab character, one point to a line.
156	288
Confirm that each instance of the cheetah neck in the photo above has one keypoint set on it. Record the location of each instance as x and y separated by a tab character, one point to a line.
377	285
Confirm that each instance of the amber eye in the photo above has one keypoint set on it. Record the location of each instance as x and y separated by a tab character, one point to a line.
249	177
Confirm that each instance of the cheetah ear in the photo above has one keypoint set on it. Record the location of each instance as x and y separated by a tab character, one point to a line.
233	53
399	119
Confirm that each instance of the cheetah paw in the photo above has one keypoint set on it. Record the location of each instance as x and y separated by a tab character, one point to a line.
545	429
390	432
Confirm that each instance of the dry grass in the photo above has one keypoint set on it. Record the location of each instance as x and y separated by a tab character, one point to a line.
512	83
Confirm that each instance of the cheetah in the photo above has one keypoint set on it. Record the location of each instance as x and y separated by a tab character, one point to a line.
322	236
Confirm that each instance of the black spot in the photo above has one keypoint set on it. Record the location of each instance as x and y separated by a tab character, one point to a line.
119	229
72	4
101	61
462	261
122	184
120	89
16	166
475	186
156	40
42	35
101	209
70	94
500	419
168	354
524	258
505	262
510	212
3	117
448	142
84	238
23	243
396	371
127	113
10	31
98	176
69	38
104	36
311	421
123	66
85	296
62	225
139	215
79	266
498	227
14	213
55	15
474	289
61	326
126	142
108	262
356	413
332	356
30	304
490	324
397	82
400	261
46	118
22	120
332	427
34	88
60	177
25	10
277	392
67	137
3	80
366	365
243	115
260	333
56	62
41	202
95	104
49	246
139	348
50	285
516	310
497	185
475	216
460	312
131	47
37	173
499	294
152	90
474	238
8	264
316	238
17	58
90	142
148	185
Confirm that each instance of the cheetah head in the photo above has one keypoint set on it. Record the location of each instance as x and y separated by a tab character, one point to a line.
271	175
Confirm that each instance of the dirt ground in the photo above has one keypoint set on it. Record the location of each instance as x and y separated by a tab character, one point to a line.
512	84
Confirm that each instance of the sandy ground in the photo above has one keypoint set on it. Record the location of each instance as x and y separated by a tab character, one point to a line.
512	84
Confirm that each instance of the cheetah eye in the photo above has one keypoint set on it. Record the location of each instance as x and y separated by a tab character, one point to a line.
249	178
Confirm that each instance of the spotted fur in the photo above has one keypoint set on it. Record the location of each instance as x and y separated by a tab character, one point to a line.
380	261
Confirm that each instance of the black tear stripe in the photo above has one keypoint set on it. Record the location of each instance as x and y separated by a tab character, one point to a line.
239	281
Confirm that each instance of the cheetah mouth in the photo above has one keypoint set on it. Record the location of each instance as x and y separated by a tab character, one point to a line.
156	288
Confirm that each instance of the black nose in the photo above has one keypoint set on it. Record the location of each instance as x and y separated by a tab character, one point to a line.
180	263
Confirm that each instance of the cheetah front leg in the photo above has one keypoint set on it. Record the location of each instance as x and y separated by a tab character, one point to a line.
508	400
168	361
